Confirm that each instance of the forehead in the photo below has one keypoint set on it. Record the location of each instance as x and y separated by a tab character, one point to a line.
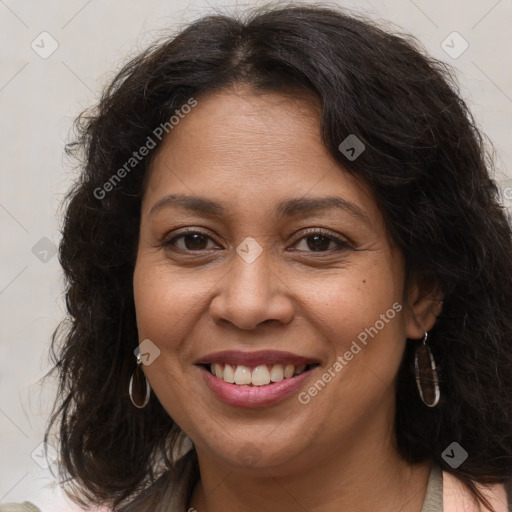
263	129
252	149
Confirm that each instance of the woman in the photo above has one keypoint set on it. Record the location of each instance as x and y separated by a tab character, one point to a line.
289	280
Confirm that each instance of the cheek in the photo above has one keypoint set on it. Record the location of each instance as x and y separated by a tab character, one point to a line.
164	300
169	306
347	304
360	313
361	316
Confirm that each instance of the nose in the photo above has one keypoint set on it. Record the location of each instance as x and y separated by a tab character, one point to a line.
251	293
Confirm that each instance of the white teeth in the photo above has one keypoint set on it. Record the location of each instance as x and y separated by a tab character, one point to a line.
217	370
229	374
288	371
242	375
277	373
261	375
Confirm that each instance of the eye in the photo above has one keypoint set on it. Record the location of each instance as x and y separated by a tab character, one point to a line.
191	241
322	241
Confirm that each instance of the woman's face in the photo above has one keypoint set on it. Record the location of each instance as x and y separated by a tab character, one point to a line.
244	261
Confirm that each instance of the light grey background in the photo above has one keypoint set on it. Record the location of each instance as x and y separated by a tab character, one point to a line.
39	97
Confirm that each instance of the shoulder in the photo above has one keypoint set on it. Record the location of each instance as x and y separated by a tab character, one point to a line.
26	506
457	498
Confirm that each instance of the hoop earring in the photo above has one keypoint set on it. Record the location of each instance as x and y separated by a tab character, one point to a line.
426	374
138	375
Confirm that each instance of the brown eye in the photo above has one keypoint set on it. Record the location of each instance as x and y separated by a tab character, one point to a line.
318	241
191	241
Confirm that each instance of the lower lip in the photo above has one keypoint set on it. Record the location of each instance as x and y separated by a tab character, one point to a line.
254	396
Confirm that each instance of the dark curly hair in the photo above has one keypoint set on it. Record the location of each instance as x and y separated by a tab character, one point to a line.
429	170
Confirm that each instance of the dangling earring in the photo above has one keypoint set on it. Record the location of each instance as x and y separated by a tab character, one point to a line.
138	376
426	374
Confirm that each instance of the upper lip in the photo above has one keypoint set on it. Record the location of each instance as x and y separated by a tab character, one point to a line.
238	357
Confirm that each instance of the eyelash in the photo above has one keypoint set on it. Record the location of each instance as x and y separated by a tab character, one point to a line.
341	244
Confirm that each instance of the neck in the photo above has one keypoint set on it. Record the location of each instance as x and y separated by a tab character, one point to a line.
357	476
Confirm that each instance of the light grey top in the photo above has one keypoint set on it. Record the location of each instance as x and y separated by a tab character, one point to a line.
433	501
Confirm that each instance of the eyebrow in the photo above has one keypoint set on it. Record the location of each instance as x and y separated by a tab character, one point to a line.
287	208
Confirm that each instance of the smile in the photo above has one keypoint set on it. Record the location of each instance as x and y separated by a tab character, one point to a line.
255	379
261	375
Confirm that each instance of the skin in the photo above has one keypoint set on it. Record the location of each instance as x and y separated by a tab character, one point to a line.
250	151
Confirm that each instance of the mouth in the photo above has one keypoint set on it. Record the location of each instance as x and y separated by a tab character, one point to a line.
260	375
255	379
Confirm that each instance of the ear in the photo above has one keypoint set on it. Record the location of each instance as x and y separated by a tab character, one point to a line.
423	304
